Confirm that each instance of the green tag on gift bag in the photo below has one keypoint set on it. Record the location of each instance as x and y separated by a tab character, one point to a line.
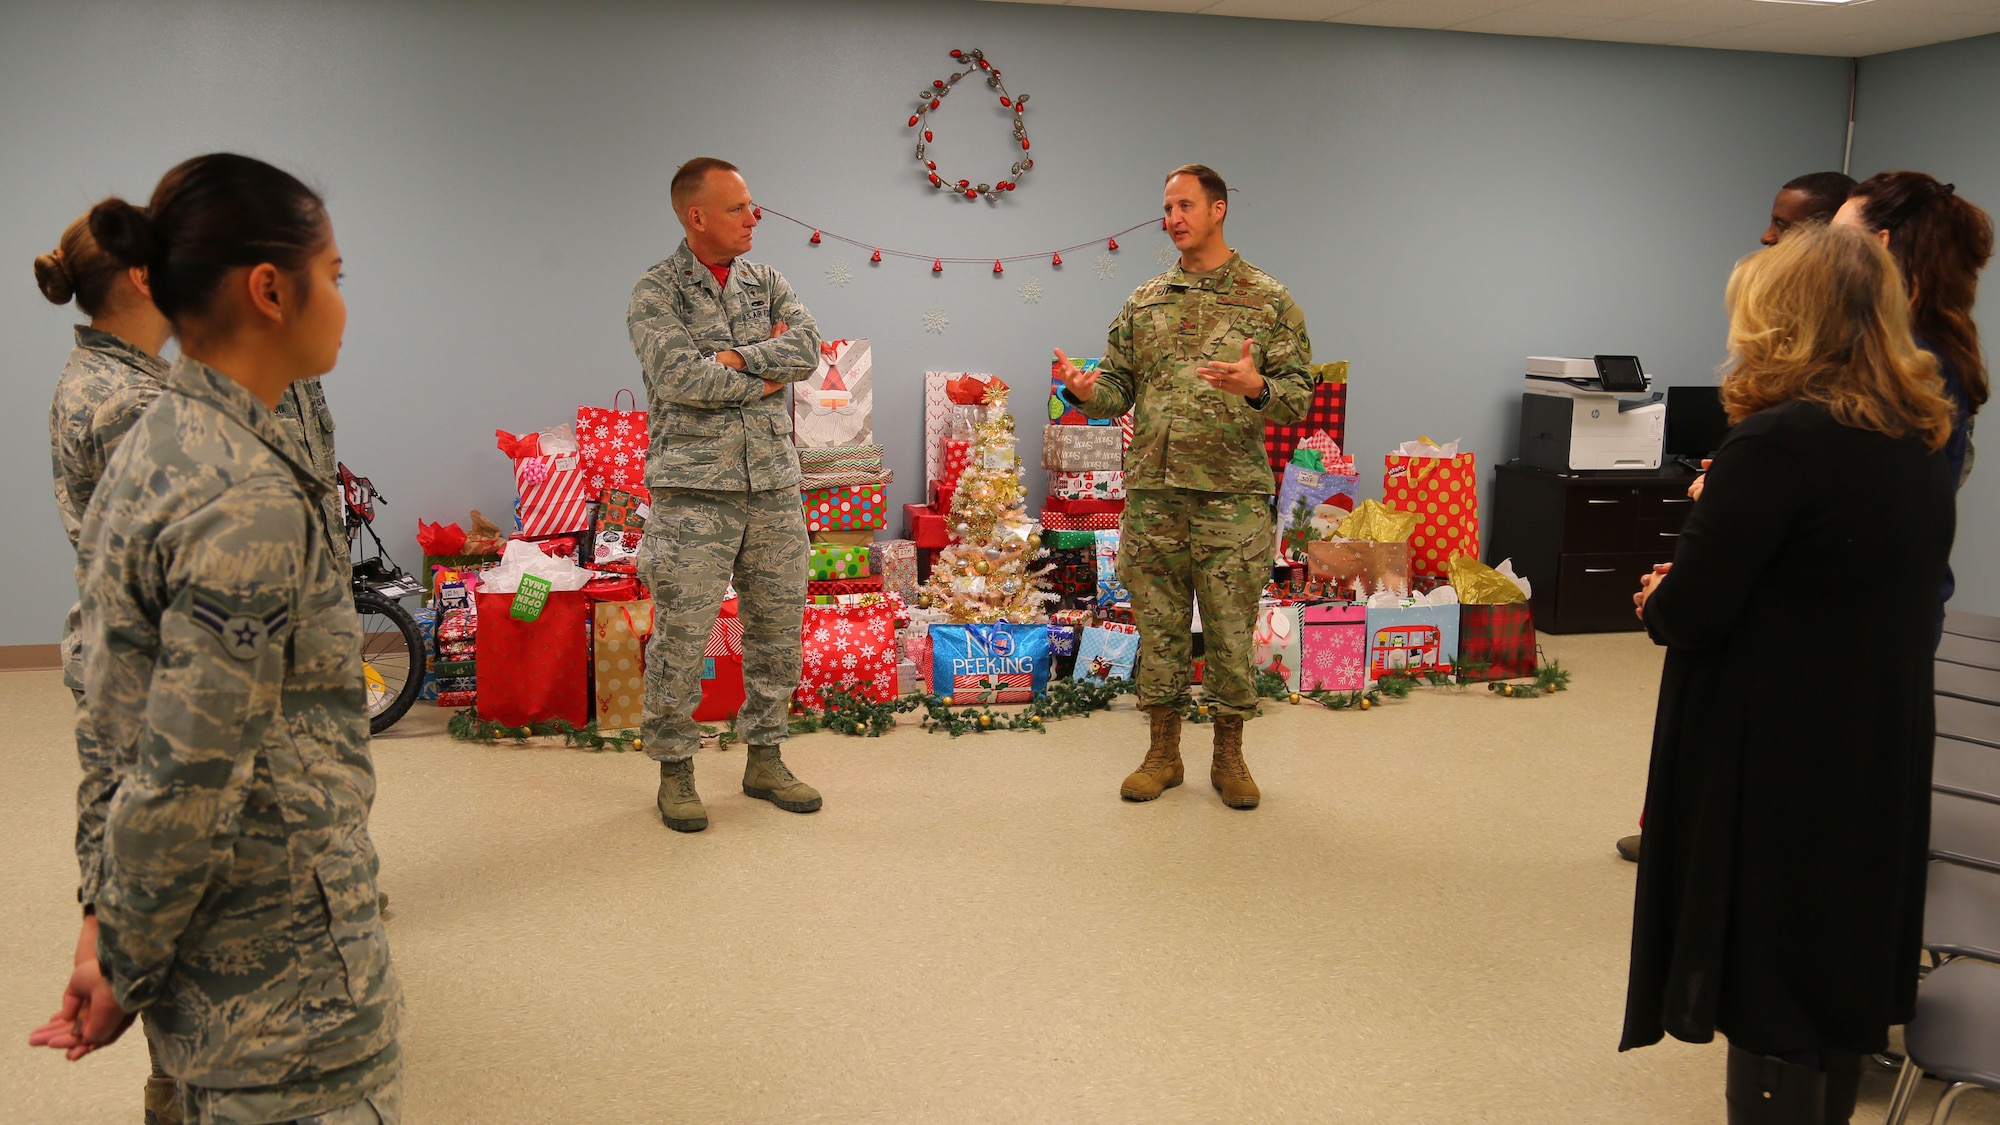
532	598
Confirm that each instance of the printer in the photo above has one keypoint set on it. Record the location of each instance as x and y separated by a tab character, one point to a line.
1591	415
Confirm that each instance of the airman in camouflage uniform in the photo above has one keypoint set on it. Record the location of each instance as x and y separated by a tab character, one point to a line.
233	876
1197	520
305	416
103	389
724	480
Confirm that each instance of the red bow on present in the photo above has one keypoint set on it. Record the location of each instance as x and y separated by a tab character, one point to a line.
975	390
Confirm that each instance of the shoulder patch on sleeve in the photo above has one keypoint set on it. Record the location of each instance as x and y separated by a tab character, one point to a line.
242	635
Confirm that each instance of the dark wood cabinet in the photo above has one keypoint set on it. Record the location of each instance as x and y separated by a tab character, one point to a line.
1584	539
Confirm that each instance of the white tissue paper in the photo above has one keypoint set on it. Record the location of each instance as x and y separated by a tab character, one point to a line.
523	558
1388	599
1506	569
558	440
1424	448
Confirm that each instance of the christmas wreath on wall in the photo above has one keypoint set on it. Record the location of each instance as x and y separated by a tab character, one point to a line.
929	100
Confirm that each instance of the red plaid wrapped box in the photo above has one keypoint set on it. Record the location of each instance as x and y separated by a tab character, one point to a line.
1063	521
612	444
851	647
1328	412
1500	635
847	507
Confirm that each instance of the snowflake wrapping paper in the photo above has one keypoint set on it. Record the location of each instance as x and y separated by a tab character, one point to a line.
1333	647
851	647
835	405
612	445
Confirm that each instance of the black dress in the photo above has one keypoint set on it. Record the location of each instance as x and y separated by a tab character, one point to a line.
1781	879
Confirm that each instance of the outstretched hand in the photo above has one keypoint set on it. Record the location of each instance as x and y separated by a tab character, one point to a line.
1081	383
1237	378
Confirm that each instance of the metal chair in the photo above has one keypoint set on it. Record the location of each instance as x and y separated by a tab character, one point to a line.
1965	830
1970	651
1968	720
1954	1036
1981	685
1966	769
1978	625
1962	912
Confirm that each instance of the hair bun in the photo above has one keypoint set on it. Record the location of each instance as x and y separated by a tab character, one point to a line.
1947	189
124	232
53	278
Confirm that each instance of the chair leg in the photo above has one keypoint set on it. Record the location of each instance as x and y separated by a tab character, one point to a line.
1950	1100
1904	1093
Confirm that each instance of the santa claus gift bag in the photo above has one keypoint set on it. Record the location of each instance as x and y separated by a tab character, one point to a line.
850	647
611	445
1440	485
835	405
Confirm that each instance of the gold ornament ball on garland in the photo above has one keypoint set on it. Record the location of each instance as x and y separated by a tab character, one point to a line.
985	721
982	567
1365	705
1294	698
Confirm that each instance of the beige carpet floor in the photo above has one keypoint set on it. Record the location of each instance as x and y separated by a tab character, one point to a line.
1424	923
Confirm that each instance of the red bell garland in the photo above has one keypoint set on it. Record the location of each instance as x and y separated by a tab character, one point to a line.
877	252
929	99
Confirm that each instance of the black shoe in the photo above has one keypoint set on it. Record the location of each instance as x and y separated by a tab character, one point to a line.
1767	1091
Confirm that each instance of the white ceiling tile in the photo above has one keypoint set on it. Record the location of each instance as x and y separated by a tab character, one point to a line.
1740	25
1528	23
1413	13
1282	9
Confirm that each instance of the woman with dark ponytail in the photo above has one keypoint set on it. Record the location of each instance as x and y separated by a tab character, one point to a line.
235	899
114	373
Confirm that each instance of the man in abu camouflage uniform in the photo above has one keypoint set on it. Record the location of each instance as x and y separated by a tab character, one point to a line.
720	340
235	879
305	416
1203	355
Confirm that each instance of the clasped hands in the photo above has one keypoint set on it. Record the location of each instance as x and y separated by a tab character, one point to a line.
1648	582
90	1016
731	358
1237	377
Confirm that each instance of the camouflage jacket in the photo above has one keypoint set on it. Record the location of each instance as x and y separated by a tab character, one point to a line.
104	387
302	410
1185	433
710	426
235	889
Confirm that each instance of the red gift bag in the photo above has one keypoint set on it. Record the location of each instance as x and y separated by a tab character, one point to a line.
851	647
722	669
1500	635
612	444
534	671
1444	492
1328	412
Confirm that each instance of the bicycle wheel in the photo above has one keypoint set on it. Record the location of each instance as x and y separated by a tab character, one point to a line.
392	656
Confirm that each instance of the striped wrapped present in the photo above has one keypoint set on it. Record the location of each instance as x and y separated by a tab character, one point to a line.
841	458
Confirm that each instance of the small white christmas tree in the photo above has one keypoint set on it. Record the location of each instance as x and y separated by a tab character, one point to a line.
991	573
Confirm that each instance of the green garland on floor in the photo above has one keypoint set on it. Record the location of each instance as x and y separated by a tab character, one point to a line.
1550	678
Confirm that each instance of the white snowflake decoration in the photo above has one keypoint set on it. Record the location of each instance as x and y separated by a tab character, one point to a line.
838	274
1165	253
1104	267
1031	291
935	321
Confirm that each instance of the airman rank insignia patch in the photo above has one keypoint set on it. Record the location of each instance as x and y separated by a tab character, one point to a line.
241	635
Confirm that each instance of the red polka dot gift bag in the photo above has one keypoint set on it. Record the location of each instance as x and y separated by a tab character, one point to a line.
1440	485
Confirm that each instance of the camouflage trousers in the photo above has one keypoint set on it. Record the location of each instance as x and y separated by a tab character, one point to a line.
369	1092
1177	545
696	542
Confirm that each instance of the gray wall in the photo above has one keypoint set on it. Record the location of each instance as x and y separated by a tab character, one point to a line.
1442	204
1937	110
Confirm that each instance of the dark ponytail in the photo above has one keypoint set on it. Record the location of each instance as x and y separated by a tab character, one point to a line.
210	215
1940	242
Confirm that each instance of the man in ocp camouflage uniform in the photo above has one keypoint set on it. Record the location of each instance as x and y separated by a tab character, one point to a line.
1203	355
235	897
304	413
720	341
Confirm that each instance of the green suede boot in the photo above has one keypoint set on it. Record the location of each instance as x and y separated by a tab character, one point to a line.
766	778
680	805
163	1101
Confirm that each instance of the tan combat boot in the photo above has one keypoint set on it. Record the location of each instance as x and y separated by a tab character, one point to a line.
767	778
1161	770
1230	776
163	1101
680	805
